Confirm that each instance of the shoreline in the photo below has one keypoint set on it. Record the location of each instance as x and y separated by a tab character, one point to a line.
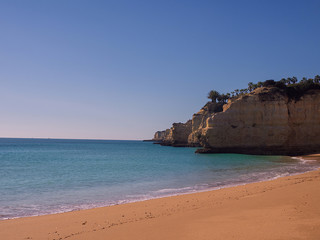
313	157
145	219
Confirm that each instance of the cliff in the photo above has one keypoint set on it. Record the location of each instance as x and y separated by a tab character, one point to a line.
160	135
176	136
265	121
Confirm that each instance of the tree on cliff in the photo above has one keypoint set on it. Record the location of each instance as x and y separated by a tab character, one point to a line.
284	81
289	80
294	80
250	86
260	84
213	95
291	86
223	98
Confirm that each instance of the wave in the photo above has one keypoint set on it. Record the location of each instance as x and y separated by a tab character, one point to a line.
304	160
301	166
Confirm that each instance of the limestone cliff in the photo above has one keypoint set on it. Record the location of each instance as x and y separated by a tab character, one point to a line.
266	121
199	122
176	136
160	135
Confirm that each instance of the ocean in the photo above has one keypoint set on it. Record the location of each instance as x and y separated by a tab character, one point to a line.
43	176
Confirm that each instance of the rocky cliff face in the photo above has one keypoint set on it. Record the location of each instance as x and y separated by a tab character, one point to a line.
178	134
199	123
161	135
265	121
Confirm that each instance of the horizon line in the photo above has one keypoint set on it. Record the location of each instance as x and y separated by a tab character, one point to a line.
53	138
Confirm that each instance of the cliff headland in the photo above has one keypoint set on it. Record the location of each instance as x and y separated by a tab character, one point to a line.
269	118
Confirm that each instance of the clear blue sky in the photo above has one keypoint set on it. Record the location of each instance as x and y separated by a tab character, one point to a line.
125	69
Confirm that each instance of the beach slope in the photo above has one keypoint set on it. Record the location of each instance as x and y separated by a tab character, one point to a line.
285	208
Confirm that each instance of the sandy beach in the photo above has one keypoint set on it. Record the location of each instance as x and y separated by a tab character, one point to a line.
284	208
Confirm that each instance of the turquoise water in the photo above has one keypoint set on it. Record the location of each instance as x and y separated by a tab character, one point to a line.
41	176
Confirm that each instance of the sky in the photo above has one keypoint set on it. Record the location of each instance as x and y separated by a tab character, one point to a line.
125	69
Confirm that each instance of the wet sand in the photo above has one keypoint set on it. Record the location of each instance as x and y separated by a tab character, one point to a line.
285	208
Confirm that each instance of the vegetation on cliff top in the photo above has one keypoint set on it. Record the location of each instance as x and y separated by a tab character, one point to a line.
293	88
